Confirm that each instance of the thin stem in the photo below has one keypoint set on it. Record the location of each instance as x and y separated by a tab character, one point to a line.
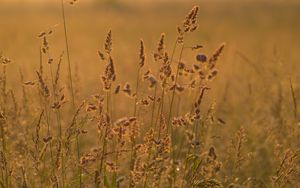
161	112
45	102
70	78
104	136
2	123
137	89
170	114
78	159
294	99
173	92
68	53
153	106
133	154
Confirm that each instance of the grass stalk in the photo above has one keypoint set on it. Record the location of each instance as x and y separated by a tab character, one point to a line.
68	53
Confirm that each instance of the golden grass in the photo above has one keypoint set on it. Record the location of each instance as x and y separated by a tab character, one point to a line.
154	115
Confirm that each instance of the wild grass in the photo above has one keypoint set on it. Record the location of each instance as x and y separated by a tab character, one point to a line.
171	133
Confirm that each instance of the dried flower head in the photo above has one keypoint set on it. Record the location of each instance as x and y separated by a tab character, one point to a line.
108	43
43	85
201	58
127	89
150	78
213	59
160	48
142	54
109	75
101	55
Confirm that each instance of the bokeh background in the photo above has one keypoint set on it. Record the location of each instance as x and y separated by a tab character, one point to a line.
262	38
253	89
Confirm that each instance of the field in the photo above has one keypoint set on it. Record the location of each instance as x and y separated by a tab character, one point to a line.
150	94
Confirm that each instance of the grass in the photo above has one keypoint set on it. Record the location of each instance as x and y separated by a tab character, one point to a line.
186	110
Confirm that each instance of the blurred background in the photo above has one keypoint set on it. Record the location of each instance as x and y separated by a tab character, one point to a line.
262	38
258	69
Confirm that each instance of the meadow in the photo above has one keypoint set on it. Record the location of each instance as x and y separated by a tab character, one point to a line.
150	94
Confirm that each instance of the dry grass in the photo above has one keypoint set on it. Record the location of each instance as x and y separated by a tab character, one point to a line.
155	115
